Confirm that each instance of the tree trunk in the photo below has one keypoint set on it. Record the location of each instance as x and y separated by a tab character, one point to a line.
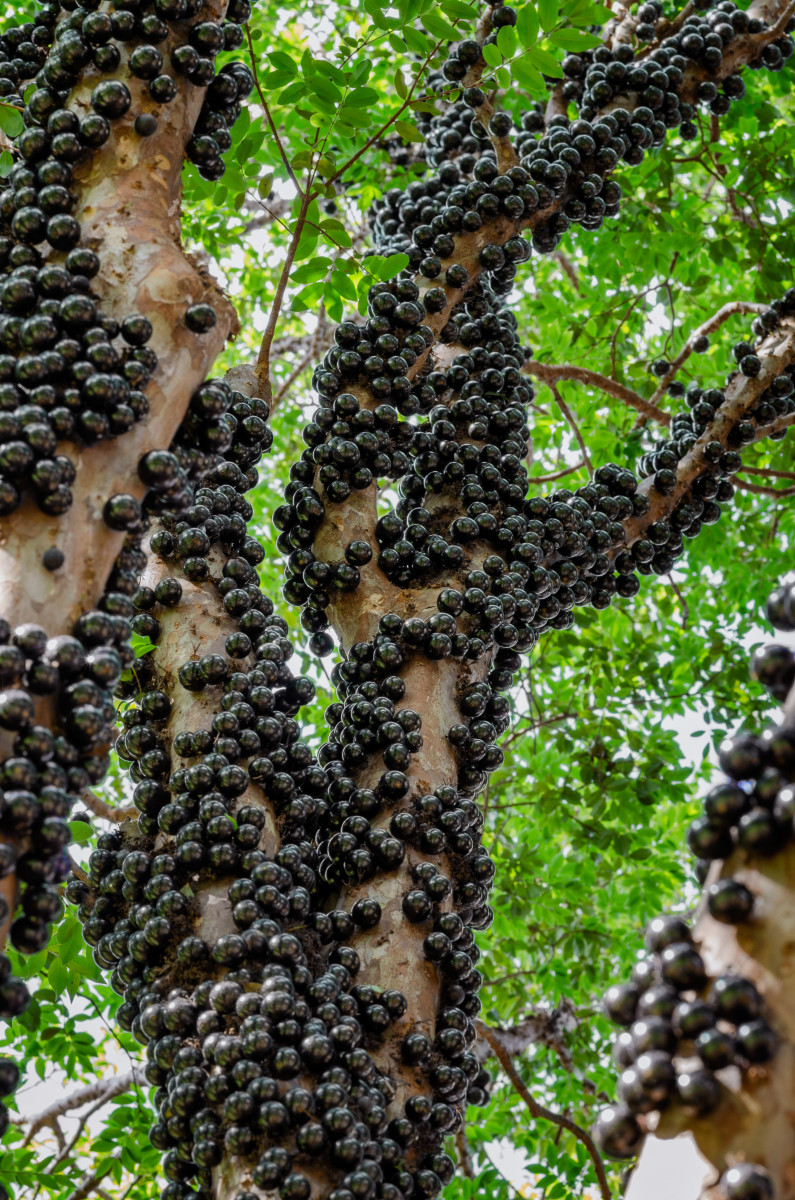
194	964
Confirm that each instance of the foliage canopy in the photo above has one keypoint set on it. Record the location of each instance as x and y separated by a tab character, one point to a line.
614	719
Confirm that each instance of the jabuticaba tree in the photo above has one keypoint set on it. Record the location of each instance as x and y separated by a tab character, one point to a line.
706	1040
292	931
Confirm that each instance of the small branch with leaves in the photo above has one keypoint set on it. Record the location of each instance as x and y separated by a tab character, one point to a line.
544	1114
551	374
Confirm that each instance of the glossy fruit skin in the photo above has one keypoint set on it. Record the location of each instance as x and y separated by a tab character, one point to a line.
698	1091
730	901
9	1076
747	1181
617	1133
255	1047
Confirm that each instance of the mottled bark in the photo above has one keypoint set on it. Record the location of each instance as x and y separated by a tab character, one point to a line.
755	1121
129	212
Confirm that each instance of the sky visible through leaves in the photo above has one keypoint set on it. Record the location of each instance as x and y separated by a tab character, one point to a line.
616	720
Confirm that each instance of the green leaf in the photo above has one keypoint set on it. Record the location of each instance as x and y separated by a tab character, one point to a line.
548	14
6	163
11	121
344	286
277	79
507	40
528	77
586	13
310	272
282	61
308	297
375	12
439	27
457	8
545	62
265	185
400	84
141	645
527	25
386	268
492	55
358	118
409	131
325	89
336	232
416	41
574	39
361	96
292	93
81	831
58	976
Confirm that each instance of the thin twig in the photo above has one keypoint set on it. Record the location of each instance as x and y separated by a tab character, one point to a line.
263	359
103	1089
89	1181
768	472
127	1190
568	267
108	812
760	490
268	115
550	372
678	593
569	415
464	1154
544	1114
556	474
382	130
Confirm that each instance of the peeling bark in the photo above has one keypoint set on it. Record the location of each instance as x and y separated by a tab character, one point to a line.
129	211
755	1121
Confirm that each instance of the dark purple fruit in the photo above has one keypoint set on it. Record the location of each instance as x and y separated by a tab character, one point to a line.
730	901
617	1133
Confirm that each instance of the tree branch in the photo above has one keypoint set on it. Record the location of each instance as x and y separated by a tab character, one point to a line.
678	593
263	359
761	490
543	1026
550	373
90	1180
568	267
714	322
767	472
108	812
553	475
268	114
569	415
544	1114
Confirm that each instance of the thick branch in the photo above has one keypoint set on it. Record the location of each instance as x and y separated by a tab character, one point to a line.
544	1026
102	1089
777	353
108	812
129	208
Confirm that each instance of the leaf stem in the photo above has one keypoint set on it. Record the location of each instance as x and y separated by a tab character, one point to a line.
267	111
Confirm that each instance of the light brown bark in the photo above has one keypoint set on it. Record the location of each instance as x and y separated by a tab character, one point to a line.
755	1121
129	210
